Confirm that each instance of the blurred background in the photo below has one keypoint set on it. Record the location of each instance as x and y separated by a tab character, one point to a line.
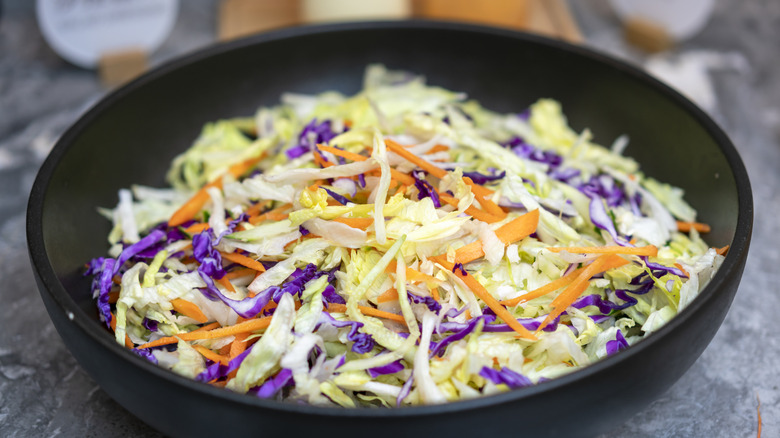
58	57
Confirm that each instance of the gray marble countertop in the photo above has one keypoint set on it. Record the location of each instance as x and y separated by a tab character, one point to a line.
730	69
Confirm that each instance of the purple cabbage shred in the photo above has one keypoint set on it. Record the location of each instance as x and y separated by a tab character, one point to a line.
618	344
272	386
506	376
425	189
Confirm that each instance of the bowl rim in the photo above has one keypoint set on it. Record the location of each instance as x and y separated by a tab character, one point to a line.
53	287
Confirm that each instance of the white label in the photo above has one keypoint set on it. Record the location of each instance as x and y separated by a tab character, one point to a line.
81	31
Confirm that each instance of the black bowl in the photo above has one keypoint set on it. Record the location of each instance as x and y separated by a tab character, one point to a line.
132	135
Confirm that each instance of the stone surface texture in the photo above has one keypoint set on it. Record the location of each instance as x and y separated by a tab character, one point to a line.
730	69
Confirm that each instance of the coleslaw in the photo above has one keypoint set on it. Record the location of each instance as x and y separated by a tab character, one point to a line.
400	246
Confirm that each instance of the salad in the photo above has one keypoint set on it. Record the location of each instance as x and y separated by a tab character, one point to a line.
401	246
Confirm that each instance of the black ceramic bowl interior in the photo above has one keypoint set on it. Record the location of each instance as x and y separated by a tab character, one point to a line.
132	135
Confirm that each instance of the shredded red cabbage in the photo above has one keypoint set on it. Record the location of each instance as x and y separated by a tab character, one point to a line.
480	178
506	376
618	344
273	385
425	189
390	368
362	342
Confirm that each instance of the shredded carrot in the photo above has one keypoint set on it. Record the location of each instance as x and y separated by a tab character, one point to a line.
355	222
387	296
514	230
483	195
238	345
722	251
270	216
482	192
370	311
321	161
225	282
679	266
412	275
436	171
483	294
190	309
243	261
210	355
113	297
128	342
240	272
255	209
225	350
649	250
206	327
438	148
546	289
249	326
195	204
394	174
580	283
196	228
342	153
471	211
686	227
277	214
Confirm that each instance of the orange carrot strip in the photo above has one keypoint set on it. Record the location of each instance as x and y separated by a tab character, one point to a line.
238	273
128	342
649	250
679	266
483	195
242	327
722	251
224	350
210	355
225	282
195	204
686	227
270	216
483	294
342	153
255	209
518	228
238	345
113	297
243	260
274	215
471	211
395	174
196	228
438	148
389	295
370	311
436	171
480	191
188	308
355	222
412	275
578	286
514	230
546	289
321	161
206	327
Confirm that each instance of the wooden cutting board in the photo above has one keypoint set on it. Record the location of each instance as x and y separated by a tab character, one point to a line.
548	17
